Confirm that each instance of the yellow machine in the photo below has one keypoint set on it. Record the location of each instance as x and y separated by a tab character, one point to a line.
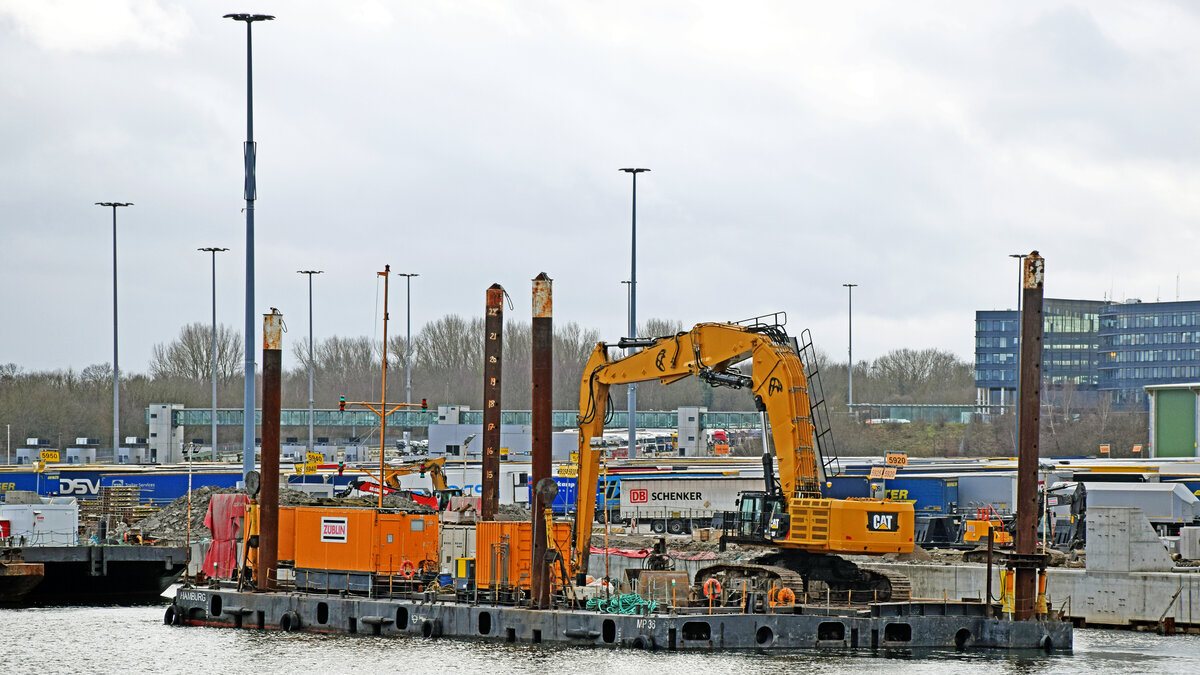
433	467
790	514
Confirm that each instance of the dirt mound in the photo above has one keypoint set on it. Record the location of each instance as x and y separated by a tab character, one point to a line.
170	523
512	512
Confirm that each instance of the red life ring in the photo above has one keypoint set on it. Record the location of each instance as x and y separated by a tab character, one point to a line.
712	588
408	569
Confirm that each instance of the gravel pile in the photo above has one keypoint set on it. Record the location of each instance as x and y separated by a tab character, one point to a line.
170	523
512	512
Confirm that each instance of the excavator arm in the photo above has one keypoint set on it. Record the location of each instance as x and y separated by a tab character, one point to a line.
707	351
433	467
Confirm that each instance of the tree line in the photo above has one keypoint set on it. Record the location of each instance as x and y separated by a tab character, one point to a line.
447	368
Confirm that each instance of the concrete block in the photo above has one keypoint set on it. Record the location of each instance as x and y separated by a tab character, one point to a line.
1120	539
1189	543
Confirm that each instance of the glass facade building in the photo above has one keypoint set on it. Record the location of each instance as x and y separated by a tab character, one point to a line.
1069	350
1145	343
1091	347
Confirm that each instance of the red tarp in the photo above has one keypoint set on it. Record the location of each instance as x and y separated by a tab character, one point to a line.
623	552
224	518
643	552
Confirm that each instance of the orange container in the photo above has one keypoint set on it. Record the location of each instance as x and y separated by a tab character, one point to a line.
287	533
362	539
504	549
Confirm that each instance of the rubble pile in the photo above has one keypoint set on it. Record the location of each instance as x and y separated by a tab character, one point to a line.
512	512
170	522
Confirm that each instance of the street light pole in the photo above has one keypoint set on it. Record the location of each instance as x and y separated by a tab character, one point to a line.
214	251
407	344
1016	349
250	194
116	368
310	273
850	344
632	387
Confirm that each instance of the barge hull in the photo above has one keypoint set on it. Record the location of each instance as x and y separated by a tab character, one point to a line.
907	625
118	574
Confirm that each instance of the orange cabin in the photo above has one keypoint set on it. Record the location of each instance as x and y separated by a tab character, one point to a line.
504	550
356	539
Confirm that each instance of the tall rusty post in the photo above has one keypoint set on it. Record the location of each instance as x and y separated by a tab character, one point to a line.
493	358
268	495
542	413
1026	562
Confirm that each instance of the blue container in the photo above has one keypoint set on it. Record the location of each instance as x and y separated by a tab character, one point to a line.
928	494
845	487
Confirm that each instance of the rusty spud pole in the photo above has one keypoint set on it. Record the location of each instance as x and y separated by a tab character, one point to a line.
493	358
542	413
268	496
1025	562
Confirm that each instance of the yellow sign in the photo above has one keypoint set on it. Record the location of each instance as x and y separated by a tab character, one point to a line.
897	459
1137	449
1104	449
313	463
49	455
889	473
568	471
876	472
574	457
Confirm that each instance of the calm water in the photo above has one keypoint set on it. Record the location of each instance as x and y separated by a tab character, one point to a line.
133	639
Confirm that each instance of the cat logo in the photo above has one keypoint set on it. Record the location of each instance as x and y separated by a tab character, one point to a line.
882	522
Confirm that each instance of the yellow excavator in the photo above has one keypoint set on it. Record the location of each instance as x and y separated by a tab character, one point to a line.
808	531
437	476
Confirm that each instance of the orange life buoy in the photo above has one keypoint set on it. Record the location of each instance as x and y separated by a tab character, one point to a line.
785	596
407	569
712	588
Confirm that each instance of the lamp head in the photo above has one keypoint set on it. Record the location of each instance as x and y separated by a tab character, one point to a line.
250	18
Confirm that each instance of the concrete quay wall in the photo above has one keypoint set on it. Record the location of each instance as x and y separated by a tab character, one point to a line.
1094	597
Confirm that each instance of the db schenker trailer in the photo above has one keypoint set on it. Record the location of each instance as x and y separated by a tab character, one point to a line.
679	504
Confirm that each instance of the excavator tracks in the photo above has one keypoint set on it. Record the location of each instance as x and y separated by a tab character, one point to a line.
857	585
758	578
836	579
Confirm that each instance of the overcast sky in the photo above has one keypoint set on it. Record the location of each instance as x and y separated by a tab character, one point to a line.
906	147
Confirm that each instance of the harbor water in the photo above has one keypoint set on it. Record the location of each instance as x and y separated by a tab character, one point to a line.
134	640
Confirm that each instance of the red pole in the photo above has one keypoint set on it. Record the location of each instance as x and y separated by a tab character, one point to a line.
268	497
1023	563
493	358
542	413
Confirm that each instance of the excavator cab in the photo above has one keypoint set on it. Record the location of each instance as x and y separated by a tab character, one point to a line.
760	519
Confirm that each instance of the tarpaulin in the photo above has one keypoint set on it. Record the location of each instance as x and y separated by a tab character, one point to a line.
224	518
644	552
623	552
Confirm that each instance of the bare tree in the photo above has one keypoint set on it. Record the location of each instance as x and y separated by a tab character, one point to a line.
189	355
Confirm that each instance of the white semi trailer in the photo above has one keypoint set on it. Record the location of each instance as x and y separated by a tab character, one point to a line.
679	503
